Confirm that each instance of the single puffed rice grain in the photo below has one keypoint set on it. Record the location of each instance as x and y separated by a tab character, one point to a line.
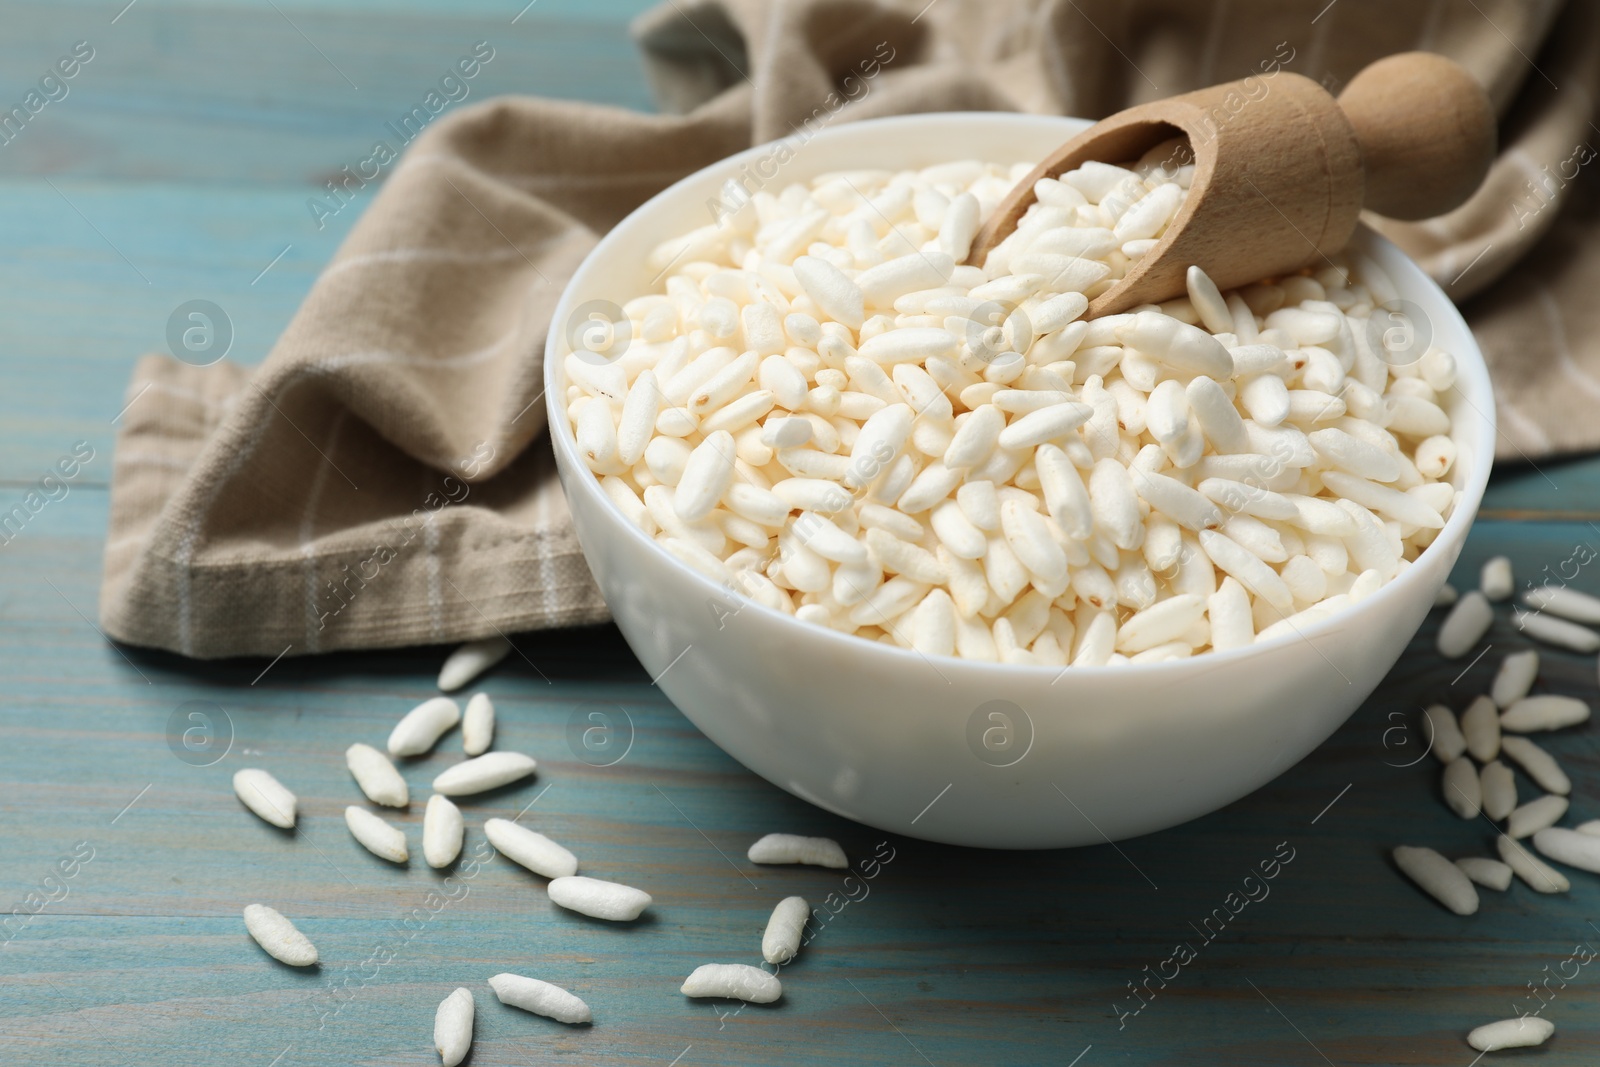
1480	725
733	981
452	1027
1462	791
792	848
1554	631
1443	732
1549	712
1565	602
1498	787
422	726
266	796
1570	847
599	899
1539	875
1491	874
1466	624
530	849
278	936
376	836
1515	677
541	998
781	941
471	660
482	773
1535	815
1497	581
477	725
376	776
1537	764
1437	877
1522	1032
442	832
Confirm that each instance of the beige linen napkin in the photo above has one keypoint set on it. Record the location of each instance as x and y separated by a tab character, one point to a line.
385	478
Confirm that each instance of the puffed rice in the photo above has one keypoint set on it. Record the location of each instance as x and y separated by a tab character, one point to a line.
733	981
541	998
266	796
452	1027
278	936
792	848
888	443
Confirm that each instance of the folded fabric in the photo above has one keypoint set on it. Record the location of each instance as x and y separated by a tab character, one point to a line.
385	477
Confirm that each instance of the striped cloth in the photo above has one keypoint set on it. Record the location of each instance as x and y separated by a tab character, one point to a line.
385	479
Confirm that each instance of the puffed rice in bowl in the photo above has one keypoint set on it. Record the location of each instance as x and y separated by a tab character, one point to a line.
1067	732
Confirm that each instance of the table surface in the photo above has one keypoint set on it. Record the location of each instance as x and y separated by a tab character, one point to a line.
178	168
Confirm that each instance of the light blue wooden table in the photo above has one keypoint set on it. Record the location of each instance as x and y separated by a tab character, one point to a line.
177	168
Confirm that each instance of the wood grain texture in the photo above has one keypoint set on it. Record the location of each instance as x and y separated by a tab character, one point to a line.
954	956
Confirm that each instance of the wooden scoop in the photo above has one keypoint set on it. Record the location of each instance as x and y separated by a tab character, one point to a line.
1282	169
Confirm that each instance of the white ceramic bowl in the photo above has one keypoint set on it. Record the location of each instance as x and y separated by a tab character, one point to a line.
890	738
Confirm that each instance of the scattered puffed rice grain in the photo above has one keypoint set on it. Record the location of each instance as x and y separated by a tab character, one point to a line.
1565	602
1537	764
266	796
792	848
1515	677
1438	877
442	831
422	726
485	772
1496	580
530	848
781	941
376	836
1590	827
1491	874
1570	847
1462	792
471	660
541	998
733	981
1545	712
599	899
1446	596
1480	725
1444	733
1522	1032
376	776
1499	790
1535	815
477	725
278	937
1539	875
1466	624
452	1027
1558	632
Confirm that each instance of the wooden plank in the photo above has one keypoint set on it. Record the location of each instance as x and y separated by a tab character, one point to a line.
1568	488
263	94
81	313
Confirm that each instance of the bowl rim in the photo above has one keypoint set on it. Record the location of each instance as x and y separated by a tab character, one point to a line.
1470	364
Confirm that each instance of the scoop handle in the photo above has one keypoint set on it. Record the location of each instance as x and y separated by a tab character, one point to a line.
1426	131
